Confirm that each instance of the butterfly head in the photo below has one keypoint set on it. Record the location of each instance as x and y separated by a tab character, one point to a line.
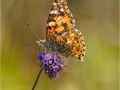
41	43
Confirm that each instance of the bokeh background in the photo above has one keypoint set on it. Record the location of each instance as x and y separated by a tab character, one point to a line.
98	22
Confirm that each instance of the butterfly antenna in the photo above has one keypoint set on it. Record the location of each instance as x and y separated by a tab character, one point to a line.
32	30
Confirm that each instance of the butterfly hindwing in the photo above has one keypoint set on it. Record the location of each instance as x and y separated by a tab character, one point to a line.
72	44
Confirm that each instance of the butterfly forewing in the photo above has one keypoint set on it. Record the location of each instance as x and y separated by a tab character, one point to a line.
60	18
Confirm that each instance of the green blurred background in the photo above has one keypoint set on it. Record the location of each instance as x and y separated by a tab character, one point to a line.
98	22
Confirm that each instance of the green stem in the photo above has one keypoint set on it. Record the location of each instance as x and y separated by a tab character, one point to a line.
37	79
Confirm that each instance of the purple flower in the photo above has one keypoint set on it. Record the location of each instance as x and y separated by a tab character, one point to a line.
51	63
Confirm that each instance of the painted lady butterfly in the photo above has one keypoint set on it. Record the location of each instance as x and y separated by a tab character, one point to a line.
61	36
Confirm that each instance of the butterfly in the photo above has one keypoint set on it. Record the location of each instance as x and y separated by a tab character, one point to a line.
61	35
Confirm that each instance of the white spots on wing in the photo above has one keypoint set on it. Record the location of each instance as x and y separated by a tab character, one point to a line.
61	6
62	10
51	12
77	30
68	11
81	59
54	12
73	21
66	7
71	15
54	4
58	3
79	33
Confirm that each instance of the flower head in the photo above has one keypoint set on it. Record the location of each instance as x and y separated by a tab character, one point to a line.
51	63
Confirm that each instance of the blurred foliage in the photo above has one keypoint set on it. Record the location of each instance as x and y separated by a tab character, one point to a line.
98	22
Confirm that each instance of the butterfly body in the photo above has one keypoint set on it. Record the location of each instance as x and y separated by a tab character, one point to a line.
61	35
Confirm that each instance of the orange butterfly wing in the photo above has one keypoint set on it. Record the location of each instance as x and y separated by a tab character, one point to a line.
60	19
